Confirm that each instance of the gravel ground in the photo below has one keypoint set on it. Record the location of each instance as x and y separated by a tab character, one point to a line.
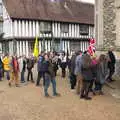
28	103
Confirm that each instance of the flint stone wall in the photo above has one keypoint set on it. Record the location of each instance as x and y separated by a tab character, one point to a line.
109	27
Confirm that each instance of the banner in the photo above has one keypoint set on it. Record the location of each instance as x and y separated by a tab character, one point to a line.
36	49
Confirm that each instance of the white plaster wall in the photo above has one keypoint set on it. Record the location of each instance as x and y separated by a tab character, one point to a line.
99	22
7	24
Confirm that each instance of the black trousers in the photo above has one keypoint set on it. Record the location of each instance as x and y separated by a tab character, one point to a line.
91	85
98	86
72	80
63	72
55	72
111	71
30	74
85	88
40	75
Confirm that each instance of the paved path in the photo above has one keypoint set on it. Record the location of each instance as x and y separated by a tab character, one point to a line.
28	103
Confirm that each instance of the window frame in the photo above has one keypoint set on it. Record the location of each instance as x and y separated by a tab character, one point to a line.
63	27
84	29
45	26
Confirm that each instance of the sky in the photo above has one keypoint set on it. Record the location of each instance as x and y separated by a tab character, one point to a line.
90	1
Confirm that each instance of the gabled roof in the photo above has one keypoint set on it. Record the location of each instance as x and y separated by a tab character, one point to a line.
52	10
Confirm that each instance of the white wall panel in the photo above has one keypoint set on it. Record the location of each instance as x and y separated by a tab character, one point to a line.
65	46
19	28
40	46
70	32
77	30
26	29
27	48
30	29
7	24
74	30
23	44
23	28
20	48
15	28
34	30
53	29
58	29
18	51
37	29
48	45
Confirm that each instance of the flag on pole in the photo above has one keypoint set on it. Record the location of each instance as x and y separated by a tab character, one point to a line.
36	49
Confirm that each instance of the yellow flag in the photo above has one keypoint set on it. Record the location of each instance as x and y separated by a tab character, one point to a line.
36	49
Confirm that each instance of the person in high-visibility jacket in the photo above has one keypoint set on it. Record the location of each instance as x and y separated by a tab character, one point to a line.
6	66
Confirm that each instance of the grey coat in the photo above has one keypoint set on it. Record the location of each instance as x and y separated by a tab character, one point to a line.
101	72
78	63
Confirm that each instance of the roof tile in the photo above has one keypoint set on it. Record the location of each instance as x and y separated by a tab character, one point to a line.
58	10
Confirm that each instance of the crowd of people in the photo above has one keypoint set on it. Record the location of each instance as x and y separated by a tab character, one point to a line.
86	73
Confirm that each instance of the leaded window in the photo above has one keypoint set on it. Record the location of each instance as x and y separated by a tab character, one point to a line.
64	28
84	29
45	26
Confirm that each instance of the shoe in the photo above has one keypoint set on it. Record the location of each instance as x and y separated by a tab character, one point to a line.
101	93
32	81
88	98
22	81
57	94
82	96
17	85
47	95
78	93
9	84
37	85
112	80
94	93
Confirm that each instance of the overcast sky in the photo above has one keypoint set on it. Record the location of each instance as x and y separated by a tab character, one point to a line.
90	1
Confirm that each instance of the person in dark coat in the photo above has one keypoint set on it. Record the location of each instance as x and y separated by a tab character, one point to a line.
94	70
87	74
30	65
49	76
1	69
72	71
54	58
40	69
111	64
24	62
63	64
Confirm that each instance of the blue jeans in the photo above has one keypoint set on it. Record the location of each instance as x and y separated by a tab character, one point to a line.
7	75
49	79
40	75
22	76
54	86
